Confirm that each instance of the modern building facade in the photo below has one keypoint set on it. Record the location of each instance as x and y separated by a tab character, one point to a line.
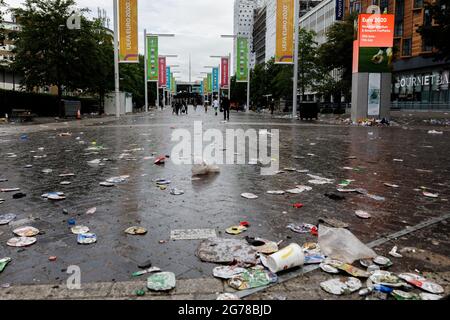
259	34
269	8
243	23
419	82
9	80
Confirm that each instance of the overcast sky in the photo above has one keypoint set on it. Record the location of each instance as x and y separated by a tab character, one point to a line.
197	24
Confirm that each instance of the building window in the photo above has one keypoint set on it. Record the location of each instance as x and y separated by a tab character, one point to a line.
407	45
399	15
384	6
418	4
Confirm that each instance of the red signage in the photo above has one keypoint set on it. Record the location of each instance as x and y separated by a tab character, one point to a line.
162	72
225	76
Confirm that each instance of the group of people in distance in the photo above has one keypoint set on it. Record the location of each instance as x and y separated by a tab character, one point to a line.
181	106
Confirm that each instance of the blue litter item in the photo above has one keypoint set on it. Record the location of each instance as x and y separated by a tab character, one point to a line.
383	289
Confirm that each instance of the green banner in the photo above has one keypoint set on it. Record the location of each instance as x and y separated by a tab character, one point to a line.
174	84
152	56
242	60
209	81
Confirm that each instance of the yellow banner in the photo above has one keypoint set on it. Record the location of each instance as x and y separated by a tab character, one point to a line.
285	32
128	31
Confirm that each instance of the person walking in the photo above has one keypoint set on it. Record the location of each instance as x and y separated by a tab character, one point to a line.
186	104
206	106
226	109
216	106
272	107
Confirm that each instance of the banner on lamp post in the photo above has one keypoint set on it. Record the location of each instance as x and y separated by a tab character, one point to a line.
209	81
152	56
215	79
284	53
162	72
128	31
242	60
205	85
340	8
224	72
169	79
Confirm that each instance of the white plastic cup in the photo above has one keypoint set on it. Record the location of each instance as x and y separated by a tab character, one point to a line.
290	257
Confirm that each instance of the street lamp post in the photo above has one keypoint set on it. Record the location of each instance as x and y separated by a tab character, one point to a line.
296	43
146	66
116	59
234	36
229	72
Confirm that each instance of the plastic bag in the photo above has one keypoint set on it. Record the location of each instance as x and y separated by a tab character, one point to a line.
341	244
204	169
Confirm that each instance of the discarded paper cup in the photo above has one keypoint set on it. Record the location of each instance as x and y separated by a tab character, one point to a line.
290	257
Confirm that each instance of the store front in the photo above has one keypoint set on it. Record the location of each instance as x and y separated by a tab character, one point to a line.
422	89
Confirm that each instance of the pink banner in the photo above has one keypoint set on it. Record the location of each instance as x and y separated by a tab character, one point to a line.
162	72
225	76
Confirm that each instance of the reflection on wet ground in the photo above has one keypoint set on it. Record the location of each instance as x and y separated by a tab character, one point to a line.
365	155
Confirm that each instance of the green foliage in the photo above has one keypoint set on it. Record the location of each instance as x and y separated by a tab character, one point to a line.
337	54
436	34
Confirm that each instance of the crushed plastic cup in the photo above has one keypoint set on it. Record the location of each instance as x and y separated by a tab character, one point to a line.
290	257
250	196
87	238
26	231
6	218
136	231
80	230
342	286
21	242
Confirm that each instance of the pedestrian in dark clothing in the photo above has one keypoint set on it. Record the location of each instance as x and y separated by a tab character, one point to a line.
226	109
185	104
272	107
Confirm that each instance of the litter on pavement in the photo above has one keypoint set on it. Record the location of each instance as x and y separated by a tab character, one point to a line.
341	244
26	231
21	242
249	196
136	231
236	230
6	218
146	271
227	272
290	257
341	286
161	281
193	234
227	251
87	238
79	230
252	278
3	263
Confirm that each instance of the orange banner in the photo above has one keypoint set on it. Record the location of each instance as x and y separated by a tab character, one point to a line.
285	32
376	30
128	31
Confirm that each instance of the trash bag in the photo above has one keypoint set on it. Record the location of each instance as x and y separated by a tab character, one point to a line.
204	169
341	244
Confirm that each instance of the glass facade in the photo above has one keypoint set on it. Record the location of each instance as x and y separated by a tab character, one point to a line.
424	90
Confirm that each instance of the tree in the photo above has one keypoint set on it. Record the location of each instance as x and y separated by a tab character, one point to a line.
337	53
436	34
132	77
48	53
309	68
2	4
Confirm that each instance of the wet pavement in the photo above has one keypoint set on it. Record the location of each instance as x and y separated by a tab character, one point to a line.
214	202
